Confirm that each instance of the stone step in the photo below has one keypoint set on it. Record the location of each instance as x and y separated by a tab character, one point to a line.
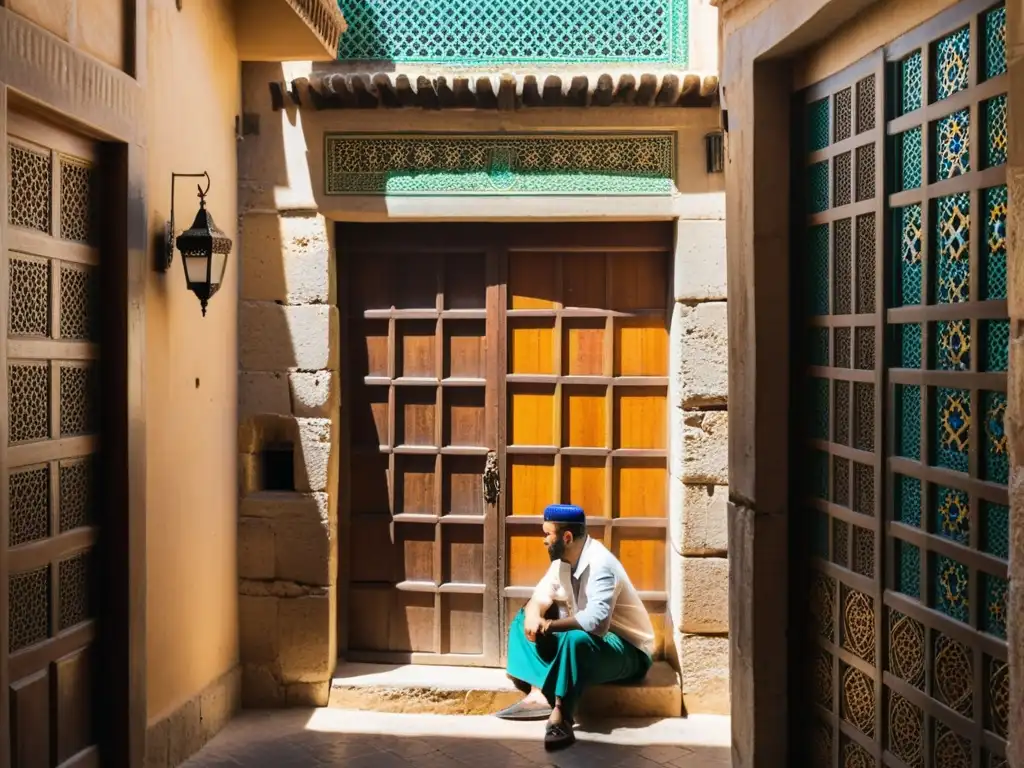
422	689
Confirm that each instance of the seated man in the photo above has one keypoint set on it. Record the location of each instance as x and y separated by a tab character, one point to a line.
584	625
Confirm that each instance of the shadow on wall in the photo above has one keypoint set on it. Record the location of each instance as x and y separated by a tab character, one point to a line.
284	309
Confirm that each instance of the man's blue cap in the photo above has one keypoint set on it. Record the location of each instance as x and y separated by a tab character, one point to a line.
564	513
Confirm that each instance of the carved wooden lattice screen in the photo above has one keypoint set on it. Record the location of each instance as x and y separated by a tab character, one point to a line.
924	680
843	302
49	451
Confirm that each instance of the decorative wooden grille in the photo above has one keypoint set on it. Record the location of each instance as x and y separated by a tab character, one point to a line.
51	357
909	627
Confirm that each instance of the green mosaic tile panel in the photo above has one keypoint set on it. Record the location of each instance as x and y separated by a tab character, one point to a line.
817	187
817	125
816	276
952	238
908	225
953	145
818	346
952	422
910	345
996	345
819	533
507	164
951	514
950	588
908	405
952	60
996	136
909	157
953	345
995	460
994	251
491	32
994	37
818	413
995	592
818	461
995	530
908	569
910	83
908	500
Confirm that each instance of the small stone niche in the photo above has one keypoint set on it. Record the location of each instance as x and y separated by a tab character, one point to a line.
277	467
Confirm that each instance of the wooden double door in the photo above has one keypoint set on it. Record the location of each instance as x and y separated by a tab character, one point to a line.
490	370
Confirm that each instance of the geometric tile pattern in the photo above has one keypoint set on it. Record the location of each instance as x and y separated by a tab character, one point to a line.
508	164
945	354
950	429
494	32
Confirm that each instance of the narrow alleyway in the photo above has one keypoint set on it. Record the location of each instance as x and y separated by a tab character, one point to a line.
333	737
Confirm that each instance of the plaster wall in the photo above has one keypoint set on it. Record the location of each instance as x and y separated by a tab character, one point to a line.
95	27
192	98
290	352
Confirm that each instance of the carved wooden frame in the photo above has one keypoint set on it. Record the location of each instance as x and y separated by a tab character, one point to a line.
39	71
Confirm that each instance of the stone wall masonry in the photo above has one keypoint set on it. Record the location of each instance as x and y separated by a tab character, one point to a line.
699	469
288	398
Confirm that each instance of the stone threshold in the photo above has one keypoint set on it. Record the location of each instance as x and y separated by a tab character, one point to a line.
439	690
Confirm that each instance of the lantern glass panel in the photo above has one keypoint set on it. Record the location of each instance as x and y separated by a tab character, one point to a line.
196	265
217	269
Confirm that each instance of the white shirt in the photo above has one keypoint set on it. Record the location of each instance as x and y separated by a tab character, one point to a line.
607	600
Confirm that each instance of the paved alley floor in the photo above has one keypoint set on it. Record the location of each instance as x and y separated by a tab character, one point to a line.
335	737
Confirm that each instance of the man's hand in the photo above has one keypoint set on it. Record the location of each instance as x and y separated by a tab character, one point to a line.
531	627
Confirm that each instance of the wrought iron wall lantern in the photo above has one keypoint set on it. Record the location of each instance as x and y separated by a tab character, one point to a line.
204	248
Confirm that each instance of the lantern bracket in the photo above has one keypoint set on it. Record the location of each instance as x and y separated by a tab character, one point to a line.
167	257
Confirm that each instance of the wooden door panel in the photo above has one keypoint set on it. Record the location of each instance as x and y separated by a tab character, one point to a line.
50	455
641	347
461	631
586	394
465	349
30	719
547	345
532	345
463	477
421	421
639	488
530	481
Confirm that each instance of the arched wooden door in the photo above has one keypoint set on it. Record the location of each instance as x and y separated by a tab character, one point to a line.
536	354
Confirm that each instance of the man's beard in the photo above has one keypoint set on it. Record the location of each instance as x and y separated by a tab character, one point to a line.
556	550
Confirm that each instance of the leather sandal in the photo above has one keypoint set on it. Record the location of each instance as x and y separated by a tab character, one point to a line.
559	735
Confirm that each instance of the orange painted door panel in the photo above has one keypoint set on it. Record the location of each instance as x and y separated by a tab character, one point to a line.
586	386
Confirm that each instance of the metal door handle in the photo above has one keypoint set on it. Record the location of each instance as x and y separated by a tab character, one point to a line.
491	479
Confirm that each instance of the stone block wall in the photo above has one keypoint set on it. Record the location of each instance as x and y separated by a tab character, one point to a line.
700	466
288	391
288	396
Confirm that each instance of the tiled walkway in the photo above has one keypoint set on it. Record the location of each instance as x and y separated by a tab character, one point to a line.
333	737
